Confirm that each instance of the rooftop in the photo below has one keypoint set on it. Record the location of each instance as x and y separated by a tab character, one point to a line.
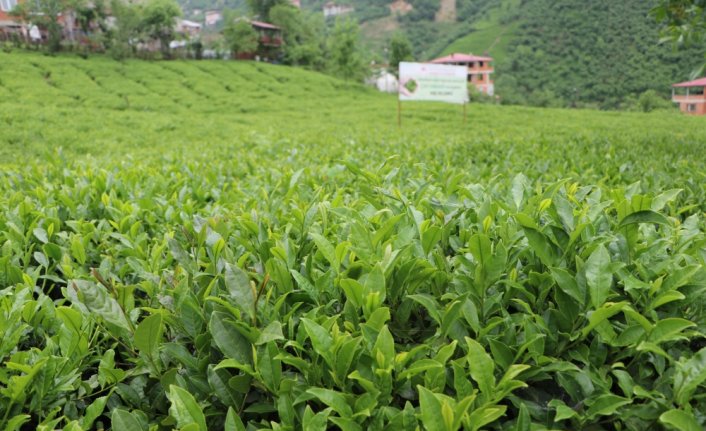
701	82
264	25
461	58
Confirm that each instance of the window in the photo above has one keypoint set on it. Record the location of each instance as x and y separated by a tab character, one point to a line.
691	107
7	5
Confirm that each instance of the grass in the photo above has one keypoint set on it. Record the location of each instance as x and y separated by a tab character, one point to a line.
232	245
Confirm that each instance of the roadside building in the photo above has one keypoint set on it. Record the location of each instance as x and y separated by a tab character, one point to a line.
690	96
479	70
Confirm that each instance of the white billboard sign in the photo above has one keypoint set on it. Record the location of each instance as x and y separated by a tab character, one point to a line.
433	82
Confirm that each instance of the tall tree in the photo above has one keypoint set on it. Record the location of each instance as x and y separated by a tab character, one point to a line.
45	14
684	20
345	54
303	33
240	37
158	21
127	29
399	50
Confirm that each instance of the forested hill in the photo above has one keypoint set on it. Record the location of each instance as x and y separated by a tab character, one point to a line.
598	52
584	53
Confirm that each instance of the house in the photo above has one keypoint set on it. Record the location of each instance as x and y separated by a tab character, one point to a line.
383	80
213	17
690	96
479	70
332	9
269	42
9	25
190	29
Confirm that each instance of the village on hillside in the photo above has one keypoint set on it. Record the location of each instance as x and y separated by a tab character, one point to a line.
289	34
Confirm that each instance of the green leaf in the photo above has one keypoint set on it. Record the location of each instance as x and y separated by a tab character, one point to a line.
185	409
482	367
680	420
428	302
598	275
315	422
375	284
233	422
16	422
385	344
231	342
272	332
689	376
96	298
333	399
326	249
93	412
240	290
606	405
78	250
541	246
320	339
669	329
485	415
40	234
430	407
148	334
602	314
646	216
219	379
567	283
563	411
123	420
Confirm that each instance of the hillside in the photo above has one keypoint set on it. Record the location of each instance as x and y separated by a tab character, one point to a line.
598	53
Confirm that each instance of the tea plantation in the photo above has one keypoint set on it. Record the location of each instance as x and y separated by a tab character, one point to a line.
239	246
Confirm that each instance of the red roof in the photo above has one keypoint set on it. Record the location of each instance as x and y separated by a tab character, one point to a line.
701	82
264	25
460	58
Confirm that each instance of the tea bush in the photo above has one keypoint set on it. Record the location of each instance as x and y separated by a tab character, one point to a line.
205	246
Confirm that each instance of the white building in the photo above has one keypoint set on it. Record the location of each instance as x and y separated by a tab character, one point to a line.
332	9
213	17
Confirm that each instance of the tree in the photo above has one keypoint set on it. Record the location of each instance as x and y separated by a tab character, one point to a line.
303	35
346	58
121	37
158	20
684	20
261	8
400	50
45	14
240	36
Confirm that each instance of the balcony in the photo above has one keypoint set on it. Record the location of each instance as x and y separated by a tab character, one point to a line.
689	98
271	40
